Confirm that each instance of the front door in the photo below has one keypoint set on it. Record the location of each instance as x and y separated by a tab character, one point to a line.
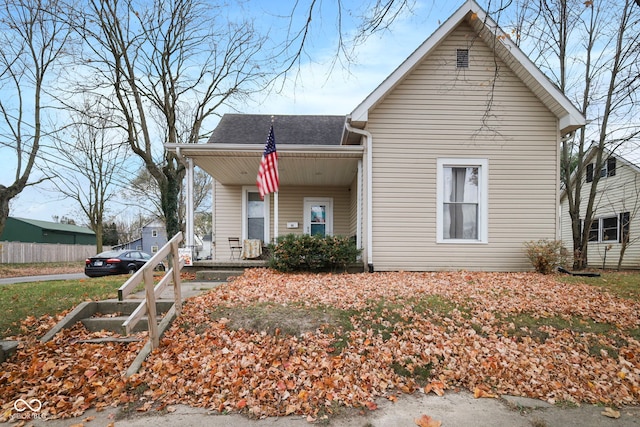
318	216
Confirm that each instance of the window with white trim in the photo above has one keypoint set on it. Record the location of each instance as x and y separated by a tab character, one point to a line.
154	233
462	200
609	229
608	169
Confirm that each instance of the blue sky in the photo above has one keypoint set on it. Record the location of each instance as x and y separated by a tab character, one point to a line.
318	89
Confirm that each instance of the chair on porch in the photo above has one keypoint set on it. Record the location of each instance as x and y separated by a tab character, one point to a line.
235	247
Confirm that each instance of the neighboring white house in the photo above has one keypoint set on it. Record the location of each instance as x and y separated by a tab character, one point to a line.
616	211
451	163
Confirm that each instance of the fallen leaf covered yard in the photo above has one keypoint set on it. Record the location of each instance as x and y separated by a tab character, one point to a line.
377	335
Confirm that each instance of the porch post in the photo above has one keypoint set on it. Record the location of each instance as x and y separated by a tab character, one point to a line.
275	216
189	219
359	207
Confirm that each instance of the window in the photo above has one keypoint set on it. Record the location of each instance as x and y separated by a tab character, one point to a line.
625	219
462	201
154	249
609	229
154	233
608	169
462	58
594	231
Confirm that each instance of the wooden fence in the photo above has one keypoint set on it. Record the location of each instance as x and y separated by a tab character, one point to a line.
20	253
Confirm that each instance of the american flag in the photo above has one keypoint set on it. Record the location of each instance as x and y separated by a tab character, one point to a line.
268	181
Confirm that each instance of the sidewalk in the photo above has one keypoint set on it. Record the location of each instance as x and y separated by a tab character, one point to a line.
453	410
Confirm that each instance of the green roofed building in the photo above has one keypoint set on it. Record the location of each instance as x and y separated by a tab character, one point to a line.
34	231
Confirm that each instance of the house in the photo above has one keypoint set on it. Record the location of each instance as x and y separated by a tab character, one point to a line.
153	236
451	163
616	209
35	231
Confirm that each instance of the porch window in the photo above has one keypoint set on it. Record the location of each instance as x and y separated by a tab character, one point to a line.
462	201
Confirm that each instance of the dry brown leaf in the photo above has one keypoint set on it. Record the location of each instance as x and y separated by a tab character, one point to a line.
611	413
427	421
435	386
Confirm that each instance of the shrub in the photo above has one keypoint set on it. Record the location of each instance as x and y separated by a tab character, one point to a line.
546	255
312	253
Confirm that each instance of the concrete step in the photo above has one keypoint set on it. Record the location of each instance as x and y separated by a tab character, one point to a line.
87	310
127	307
217	275
7	349
114	324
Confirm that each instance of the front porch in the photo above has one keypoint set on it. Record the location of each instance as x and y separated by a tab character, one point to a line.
321	189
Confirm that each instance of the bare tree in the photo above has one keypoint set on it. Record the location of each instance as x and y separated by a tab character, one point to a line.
88	163
370	18
129	227
32	42
591	50
165	67
143	185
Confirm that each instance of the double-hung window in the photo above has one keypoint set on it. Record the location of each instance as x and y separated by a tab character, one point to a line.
609	229
462	200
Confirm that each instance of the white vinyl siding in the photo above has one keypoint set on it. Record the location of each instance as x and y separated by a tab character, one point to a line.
441	112
615	195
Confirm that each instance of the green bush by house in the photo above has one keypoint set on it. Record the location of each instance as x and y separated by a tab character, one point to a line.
312	253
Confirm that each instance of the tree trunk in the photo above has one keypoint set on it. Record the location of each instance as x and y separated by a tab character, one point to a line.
4	206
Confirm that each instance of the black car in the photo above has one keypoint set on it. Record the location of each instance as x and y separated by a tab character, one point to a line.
126	261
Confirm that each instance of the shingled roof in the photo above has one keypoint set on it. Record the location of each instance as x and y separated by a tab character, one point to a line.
288	129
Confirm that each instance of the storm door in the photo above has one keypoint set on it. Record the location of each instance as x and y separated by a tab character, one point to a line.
318	216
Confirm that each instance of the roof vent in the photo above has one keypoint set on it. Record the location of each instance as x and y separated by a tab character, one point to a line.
462	58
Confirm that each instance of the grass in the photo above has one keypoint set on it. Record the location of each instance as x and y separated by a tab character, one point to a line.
624	284
20	300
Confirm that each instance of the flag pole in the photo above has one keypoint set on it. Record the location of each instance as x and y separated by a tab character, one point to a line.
275	217
276	206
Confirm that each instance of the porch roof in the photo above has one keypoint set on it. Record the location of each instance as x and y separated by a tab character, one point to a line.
310	149
306	165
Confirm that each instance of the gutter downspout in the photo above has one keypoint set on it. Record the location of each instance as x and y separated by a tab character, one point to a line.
369	151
